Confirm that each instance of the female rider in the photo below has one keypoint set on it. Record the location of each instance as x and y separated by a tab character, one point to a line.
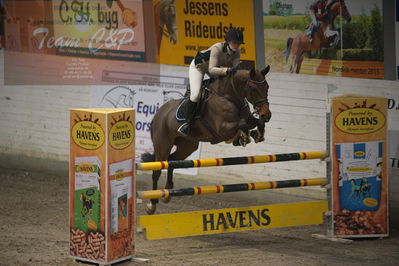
221	59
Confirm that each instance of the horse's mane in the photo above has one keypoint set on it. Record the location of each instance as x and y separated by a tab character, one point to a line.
223	83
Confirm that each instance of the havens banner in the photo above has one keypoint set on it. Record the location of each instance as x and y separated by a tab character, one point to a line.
197	25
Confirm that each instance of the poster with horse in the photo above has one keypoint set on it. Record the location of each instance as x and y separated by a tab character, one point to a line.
325	37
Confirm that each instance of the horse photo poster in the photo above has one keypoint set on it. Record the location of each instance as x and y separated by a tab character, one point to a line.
397	37
346	41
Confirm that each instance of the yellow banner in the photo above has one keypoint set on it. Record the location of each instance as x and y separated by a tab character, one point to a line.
199	24
232	220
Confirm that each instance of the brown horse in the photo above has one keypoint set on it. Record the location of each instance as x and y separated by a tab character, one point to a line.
226	114
165	17
322	37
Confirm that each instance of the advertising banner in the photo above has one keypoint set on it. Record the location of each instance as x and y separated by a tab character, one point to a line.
189	26
102	29
360	166
102	185
344	38
62	42
232	220
146	93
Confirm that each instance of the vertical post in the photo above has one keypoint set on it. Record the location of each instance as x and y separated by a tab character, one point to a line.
259	34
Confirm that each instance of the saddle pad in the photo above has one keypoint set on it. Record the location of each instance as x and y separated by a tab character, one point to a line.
180	114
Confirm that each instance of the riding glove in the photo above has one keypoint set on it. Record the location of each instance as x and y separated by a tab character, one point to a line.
231	71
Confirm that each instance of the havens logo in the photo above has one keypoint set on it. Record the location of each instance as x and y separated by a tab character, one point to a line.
360	154
359	169
360	119
88	135
121	134
119	175
86	168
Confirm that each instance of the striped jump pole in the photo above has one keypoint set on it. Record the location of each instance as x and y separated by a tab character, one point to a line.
232	160
164	193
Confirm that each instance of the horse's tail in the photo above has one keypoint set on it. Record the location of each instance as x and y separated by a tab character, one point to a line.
147	157
288	49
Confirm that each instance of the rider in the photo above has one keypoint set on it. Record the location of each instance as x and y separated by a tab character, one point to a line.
318	10
221	59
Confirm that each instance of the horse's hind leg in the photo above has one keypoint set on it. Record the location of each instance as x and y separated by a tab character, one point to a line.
184	149
160	155
300	60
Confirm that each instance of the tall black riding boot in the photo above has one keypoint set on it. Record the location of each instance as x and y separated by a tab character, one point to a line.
190	113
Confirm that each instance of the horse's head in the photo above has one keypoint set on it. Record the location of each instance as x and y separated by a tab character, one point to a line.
257	93
338	7
168	17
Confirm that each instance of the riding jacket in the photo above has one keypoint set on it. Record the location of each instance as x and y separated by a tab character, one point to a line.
319	8
217	59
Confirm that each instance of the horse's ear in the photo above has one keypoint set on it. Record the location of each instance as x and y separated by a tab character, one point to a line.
265	70
252	73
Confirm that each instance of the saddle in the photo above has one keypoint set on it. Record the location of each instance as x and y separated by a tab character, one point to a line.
180	112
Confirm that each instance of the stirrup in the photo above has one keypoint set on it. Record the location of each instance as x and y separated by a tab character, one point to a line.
183	129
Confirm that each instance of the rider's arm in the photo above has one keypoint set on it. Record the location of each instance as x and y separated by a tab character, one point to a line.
320	14
214	69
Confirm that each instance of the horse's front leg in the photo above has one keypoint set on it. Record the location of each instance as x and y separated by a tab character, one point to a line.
258	133
242	137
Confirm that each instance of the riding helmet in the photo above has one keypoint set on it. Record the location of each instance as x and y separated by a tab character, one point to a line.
235	35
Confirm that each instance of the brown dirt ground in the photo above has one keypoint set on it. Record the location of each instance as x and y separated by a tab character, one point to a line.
34	231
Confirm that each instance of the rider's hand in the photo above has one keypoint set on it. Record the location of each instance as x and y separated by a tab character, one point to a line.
231	71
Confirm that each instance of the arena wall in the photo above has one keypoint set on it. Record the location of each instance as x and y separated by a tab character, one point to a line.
34	127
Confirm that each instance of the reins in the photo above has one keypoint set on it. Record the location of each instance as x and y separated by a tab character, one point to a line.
242	102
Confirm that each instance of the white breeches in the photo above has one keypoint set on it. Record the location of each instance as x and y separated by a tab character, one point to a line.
195	77
329	33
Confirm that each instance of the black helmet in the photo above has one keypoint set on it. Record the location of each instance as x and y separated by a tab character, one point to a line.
235	36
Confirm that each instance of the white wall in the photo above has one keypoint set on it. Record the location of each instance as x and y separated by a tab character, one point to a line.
34	123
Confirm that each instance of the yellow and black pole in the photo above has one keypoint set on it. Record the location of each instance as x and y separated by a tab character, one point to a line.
232	160
165	193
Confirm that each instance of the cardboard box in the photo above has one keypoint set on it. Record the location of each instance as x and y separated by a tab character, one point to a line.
101	184
359	166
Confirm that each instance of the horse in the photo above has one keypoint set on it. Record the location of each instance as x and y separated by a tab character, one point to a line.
226	117
165	17
322	37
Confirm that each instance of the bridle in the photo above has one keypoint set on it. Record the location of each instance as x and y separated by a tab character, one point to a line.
260	101
250	84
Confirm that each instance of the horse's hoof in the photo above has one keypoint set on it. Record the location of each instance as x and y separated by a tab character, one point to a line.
242	142
166	200
150	209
